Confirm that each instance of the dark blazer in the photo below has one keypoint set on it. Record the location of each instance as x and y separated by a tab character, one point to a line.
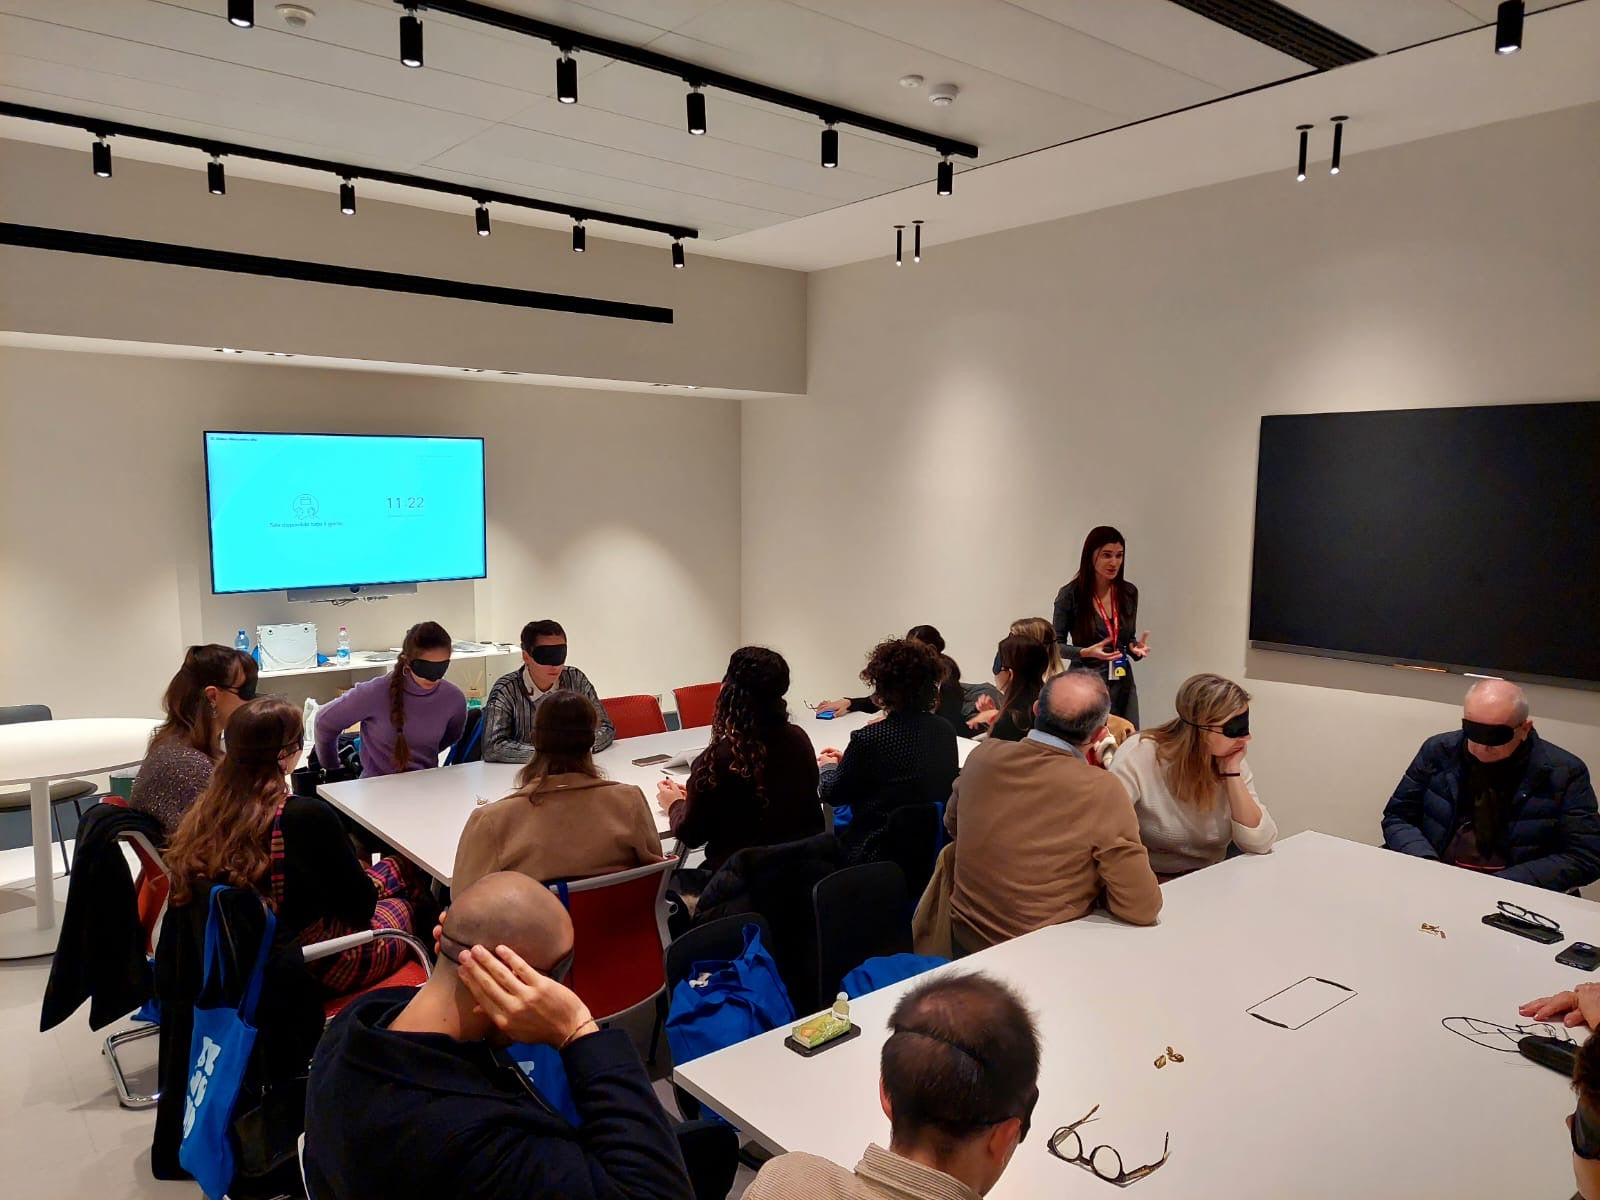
1553	839
777	881
1065	620
402	1115
101	955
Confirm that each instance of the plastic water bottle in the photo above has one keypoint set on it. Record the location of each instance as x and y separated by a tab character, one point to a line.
344	646
241	643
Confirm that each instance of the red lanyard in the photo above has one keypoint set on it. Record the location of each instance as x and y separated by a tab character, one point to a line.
1113	622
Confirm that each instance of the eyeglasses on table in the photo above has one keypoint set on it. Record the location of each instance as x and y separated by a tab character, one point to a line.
1103	1160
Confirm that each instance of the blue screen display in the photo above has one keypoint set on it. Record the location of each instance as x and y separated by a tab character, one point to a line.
304	510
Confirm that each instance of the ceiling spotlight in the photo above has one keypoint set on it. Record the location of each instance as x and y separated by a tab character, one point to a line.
347	198
677	254
916	241
1508	27
242	13
1338	143
947	176
483	220
899	245
216	177
579	238
1305	145
697	110
411	37
567	77
830	146
100	156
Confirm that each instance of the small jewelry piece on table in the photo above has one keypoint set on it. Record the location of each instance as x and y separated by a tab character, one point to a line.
1161	1062
1434	929
1173	1055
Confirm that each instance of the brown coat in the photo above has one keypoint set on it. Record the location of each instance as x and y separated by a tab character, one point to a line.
1040	833
573	827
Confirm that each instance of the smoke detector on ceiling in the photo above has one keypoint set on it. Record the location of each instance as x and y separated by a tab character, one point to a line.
295	16
943	95
911	81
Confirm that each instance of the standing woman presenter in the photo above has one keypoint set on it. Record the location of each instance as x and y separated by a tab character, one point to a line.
1096	615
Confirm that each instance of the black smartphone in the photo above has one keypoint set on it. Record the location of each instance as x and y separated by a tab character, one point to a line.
1523	928
1581	955
651	760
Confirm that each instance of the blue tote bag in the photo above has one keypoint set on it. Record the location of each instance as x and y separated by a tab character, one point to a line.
723	1002
219	1052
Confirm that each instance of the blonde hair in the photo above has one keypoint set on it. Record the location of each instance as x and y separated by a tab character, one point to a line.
1042	631
1190	769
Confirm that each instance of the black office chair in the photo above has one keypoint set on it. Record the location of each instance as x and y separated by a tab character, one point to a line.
719	939
62	791
862	912
911	841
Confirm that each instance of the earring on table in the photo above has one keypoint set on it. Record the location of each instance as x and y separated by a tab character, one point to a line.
1173	1055
1161	1062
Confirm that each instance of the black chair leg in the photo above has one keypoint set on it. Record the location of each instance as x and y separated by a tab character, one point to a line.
655	1029
711	1152
55	818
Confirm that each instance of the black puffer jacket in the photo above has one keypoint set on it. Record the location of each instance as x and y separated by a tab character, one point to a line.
1553	838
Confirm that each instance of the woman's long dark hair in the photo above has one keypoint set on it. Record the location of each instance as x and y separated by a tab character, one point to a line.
563	742
425	635
225	836
750	712
1027	660
189	716
1083	584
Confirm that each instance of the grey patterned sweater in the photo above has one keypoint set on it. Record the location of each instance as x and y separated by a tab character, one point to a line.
508	715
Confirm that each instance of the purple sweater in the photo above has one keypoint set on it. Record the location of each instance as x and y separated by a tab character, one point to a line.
434	720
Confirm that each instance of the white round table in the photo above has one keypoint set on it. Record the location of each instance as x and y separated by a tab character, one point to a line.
36	753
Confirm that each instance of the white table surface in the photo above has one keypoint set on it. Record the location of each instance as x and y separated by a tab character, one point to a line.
35	753
1373	1099
422	813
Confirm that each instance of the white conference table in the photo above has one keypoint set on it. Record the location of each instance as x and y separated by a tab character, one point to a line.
1374	1099
422	813
37	753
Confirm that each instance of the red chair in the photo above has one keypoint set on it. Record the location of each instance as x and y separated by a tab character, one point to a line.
619	930
412	974
635	716
697	705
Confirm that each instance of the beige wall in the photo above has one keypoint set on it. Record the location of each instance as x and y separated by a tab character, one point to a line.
735	326
969	418
616	513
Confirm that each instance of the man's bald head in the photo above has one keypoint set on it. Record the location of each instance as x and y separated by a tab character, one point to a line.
1073	706
509	909
1496	702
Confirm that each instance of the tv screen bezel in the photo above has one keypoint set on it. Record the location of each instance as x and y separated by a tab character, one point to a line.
1420	665
211	557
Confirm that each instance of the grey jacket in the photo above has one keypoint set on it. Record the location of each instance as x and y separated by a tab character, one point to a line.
508	715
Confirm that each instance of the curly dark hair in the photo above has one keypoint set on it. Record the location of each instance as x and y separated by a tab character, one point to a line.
904	675
750	709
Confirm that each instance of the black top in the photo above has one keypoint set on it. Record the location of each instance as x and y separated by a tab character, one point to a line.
322	877
403	1115
728	817
1007	727
1066	619
906	758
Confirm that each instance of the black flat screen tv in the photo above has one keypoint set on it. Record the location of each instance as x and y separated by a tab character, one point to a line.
1458	538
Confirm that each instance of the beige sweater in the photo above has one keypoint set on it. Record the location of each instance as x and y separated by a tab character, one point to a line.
575	826
1185	837
1039	834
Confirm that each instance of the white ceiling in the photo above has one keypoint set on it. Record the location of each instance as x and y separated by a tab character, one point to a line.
1034	74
